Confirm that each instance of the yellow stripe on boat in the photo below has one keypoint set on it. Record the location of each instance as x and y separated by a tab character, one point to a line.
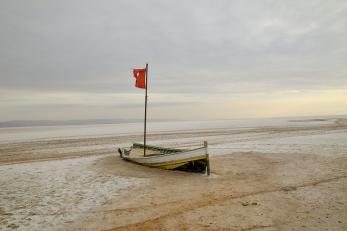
176	164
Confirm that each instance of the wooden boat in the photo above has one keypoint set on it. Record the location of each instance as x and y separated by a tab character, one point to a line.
195	160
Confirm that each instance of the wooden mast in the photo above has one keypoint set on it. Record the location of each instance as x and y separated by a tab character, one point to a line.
145	127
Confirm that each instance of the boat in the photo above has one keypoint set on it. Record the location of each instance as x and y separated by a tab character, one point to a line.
191	160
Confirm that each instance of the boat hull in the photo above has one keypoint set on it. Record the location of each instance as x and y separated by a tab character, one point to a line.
171	159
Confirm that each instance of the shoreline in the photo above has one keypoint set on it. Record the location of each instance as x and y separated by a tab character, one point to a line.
55	148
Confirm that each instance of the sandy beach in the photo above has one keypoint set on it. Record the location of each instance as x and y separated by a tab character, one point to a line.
290	175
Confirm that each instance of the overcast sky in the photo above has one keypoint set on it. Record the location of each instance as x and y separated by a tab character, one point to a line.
207	59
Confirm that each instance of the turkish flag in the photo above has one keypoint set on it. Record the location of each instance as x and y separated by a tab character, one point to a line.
140	75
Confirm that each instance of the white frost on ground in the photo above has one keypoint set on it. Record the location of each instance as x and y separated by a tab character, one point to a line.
313	142
49	195
322	144
86	147
8	135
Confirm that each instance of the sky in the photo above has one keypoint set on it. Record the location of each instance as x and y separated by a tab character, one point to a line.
224	59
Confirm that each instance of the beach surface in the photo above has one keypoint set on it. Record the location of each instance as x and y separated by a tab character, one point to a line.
266	174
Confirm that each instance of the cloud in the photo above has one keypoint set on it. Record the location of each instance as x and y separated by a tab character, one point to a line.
202	48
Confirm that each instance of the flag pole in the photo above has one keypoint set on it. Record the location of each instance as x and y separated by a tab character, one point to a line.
145	128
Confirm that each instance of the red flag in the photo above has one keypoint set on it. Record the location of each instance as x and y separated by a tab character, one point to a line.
140	75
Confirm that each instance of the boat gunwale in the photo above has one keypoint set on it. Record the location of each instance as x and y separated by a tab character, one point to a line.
152	147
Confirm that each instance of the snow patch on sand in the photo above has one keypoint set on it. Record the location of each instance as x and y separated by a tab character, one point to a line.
49	195
20	134
324	144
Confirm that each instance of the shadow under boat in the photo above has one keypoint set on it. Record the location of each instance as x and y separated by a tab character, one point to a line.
194	160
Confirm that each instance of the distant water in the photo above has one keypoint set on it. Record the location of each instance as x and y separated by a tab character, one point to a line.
97	130
35	123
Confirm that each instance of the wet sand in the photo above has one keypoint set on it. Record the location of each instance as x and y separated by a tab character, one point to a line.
268	178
